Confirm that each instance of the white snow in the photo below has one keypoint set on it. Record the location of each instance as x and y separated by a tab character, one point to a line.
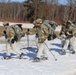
65	64
58	28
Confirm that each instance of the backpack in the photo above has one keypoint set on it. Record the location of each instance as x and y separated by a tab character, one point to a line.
51	27
17	29
53	24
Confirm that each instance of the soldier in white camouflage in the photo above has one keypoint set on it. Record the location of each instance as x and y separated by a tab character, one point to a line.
11	41
41	32
69	31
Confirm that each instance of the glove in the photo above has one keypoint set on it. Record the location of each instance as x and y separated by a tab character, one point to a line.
49	37
4	32
54	36
13	40
37	35
27	31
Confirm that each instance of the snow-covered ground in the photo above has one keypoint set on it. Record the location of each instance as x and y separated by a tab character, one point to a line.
65	64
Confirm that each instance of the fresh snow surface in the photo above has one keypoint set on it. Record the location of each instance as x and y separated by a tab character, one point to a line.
65	64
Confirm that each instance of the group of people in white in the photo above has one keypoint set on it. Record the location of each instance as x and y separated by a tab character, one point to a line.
43	29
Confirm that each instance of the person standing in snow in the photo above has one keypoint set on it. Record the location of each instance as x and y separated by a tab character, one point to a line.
70	37
41	32
11	41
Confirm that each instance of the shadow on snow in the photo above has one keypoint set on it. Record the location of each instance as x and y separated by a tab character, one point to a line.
32	51
56	49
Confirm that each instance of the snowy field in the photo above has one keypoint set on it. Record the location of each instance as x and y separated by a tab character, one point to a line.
65	64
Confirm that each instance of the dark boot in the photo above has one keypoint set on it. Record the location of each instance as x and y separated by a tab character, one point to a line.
36	59
7	57
63	52
45	58
73	52
21	55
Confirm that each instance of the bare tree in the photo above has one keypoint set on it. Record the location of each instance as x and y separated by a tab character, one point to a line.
70	8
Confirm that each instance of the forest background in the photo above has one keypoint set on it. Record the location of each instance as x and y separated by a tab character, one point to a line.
29	10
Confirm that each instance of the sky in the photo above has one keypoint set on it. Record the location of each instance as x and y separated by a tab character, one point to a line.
18	0
60	1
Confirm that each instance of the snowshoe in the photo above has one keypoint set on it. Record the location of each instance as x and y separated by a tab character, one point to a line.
7	57
21	55
45	58
36	59
73	52
63	52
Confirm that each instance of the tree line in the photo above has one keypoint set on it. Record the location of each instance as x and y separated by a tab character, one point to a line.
29	10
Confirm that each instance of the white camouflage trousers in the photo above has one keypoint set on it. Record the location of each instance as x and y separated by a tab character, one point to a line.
41	50
72	42
13	46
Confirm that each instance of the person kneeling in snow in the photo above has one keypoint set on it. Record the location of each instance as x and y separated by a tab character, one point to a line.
11	40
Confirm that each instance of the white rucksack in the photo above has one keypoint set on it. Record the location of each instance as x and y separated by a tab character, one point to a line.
51	27
17	29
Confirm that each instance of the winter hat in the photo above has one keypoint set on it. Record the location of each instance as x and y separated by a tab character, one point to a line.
6	23
39	21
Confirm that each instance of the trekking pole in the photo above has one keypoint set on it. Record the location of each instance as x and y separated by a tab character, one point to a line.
27	38
36	40
51	52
